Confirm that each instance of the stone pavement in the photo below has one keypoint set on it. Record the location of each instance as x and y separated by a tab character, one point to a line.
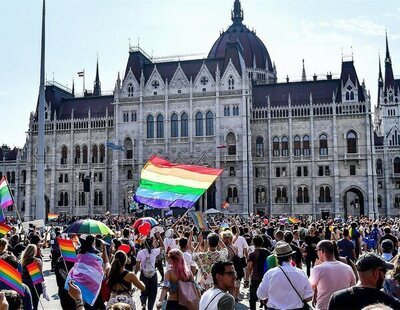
52	289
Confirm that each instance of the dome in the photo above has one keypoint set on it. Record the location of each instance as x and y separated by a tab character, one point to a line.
253	47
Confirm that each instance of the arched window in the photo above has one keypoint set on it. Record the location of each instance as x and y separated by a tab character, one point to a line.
306	145
12	181
199	124
396	165
184	125
281	195
379	170
379	201
209	123
231	142
174	125
160	126
259	147
64	155
77	159
323	145
23	176
302	194
261	195
96	198
397	201
233	194
102	152
324	194
84	154
82	199
285	146
297	146
63	199
133	116
130	90
351	142
275	146
150	126
231	82
94	154
128	148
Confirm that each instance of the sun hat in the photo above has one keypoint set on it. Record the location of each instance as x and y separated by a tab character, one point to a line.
283	249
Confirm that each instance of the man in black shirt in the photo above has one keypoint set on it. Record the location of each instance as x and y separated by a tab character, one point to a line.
310	243
371	269
388	236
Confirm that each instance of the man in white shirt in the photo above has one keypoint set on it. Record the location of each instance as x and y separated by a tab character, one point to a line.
285	286
330	276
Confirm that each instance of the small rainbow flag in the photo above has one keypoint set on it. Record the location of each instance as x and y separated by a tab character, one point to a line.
164	184
52	216
225	205
293	220
11	277
199	221
34	272
67	250
5	194
4	229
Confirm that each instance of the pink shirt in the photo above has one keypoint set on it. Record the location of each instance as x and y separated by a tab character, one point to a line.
329	277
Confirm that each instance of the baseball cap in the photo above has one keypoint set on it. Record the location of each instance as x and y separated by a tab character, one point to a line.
371	261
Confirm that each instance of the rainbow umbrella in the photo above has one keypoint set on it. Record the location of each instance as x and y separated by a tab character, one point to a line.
142	220
89	227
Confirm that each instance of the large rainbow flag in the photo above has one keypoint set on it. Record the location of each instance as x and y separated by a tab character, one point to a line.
163	184
11	277
5	194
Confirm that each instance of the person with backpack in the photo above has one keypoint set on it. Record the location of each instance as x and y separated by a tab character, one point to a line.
145	262
120	281
179	285
256	268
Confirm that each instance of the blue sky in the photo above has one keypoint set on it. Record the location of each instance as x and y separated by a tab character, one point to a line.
78	30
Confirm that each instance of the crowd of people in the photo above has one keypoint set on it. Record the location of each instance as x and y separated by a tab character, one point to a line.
272	263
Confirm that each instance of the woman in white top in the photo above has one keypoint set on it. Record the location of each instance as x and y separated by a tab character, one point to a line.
145	262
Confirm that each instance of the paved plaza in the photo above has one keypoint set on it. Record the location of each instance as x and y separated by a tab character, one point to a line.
52	289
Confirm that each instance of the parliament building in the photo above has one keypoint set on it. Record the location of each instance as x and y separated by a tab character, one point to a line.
308	147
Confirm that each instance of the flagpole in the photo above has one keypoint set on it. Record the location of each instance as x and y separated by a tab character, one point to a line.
83	82
34	285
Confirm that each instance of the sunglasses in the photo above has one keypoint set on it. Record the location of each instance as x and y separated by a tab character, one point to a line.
230	273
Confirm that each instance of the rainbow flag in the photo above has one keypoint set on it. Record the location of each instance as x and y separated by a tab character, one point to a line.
52	216
225	205
11	277
67	250
199	220
5	194
4	229
163	184
34	272
293	220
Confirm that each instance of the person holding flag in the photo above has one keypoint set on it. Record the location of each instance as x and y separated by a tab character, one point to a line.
36	287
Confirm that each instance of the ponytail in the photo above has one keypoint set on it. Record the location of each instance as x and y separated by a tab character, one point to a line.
117	264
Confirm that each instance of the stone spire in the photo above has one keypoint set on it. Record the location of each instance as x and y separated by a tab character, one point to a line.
237	13
389	77
97	84
303	74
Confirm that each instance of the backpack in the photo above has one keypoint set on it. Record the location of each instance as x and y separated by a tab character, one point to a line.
188	295
148	270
